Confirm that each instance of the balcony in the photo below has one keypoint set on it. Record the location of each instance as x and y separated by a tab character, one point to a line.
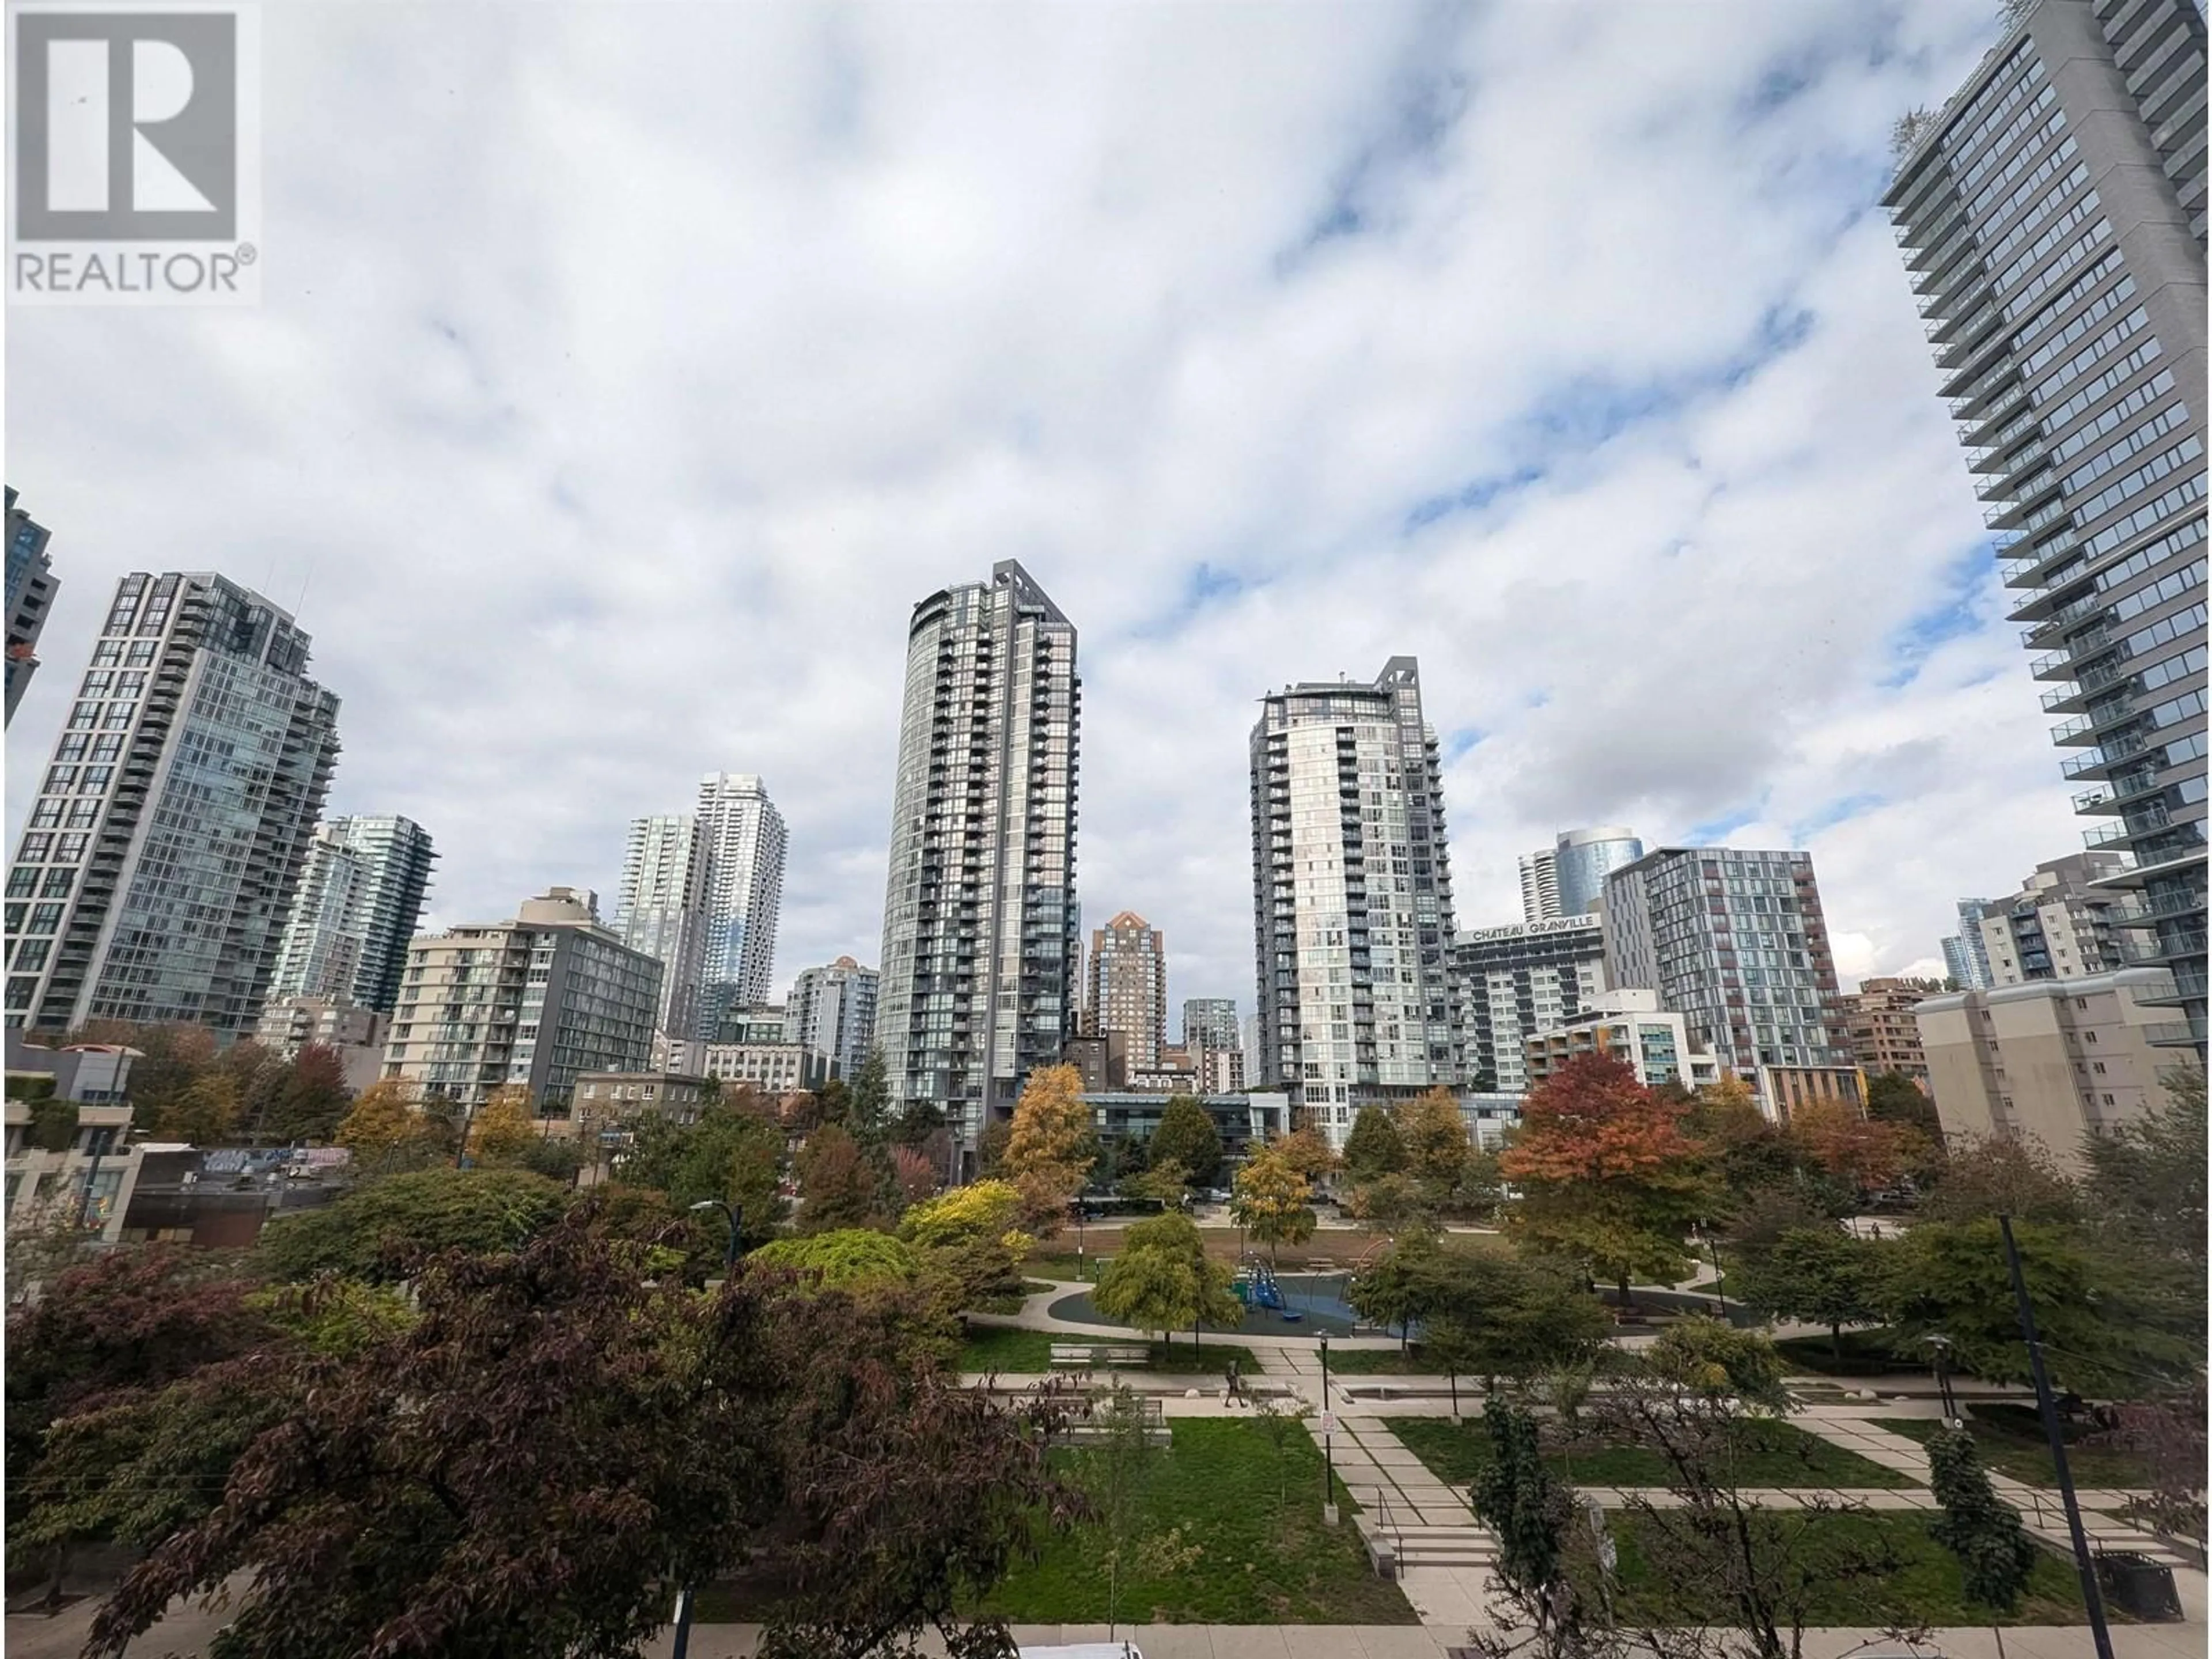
2147	952
2176	1033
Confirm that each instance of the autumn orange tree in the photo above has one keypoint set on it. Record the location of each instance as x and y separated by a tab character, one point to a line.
1869	1153
1607	1176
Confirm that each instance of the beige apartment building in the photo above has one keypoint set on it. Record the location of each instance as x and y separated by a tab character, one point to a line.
2058	926
1879	1028
1129	989
2055	1059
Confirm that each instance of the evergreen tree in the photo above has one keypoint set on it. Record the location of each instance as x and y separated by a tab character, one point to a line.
1186	1136
1373	1149
1995	1555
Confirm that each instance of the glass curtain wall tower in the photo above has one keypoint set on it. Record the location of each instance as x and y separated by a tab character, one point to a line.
355	910
660	909
2053	215
980	919
152	881
1351	899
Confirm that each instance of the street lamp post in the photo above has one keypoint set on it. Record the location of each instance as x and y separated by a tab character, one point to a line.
1327	1442
737	1215
1939	1359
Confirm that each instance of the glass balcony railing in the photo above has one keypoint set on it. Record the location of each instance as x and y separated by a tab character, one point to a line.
2150	951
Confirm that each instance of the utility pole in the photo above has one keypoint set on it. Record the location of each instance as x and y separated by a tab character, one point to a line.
2092	1596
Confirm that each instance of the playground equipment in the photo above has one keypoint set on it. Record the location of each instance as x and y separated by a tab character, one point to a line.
1255	1287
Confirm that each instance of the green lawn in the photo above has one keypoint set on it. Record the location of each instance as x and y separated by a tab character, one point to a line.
1379	1361
1769	1453
2011	1441
1002	1348
1921	1587
1267	1560
1866	1353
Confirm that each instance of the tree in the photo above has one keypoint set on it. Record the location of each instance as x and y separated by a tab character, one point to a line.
2143	1193
1713	1360
838	1186
732	1154
311	1098
204	1113
1516	1496
991	1146
846	1260
379	1125
559	1441
2107	1330
915	1173
972	1233
1394	1288
383	1231
1865	1151
1162	1280
1117	1467
920	1121
1165	1184
1497	1315
1392	1205
1373	1149
171	1058
1186	1136
1437	1144
1822	1275
1996	1556
1607	1176
502	1129
1894	1098
2001	1175
870	1101
1271	1198
1305	1151
1052	1143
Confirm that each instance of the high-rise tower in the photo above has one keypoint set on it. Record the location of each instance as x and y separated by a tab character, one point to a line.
1584	858
660	909
1539	885
980	919
359	898
2053	215
1351	899
744	843
168	833
1129	987
31	588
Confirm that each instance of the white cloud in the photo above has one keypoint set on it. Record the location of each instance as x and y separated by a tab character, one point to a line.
624	376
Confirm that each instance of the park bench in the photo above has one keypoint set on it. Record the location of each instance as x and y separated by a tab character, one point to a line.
1089	1356
1082	1427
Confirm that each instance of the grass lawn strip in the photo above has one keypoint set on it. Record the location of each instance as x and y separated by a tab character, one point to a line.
1268	1559
1924	1587
1027	1353
1770	1455
1387	1362
2011	1443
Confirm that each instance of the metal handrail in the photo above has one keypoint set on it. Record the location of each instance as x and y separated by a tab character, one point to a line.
1390	1526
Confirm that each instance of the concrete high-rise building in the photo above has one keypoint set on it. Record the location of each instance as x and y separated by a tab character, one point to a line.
832	1011
744	845
980	940
2058	926
1517	981
1351	899
1539	885
1878	1027
2056	1058
1213	1038
1583	859
661	908
1736	944
359	899
1129	987
535	1001
1964	959
2053	215
31	589
169	831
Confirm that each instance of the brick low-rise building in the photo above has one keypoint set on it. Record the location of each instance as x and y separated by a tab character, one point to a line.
1879	1028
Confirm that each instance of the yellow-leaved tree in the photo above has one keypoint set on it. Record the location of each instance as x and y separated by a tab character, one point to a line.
501	1130
380	1123
1271	1198
1053	1145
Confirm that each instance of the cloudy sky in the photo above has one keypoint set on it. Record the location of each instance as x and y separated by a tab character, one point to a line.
625	373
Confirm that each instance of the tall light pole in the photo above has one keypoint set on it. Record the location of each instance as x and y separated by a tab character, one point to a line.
1327	1442
2092	1596
737	1215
